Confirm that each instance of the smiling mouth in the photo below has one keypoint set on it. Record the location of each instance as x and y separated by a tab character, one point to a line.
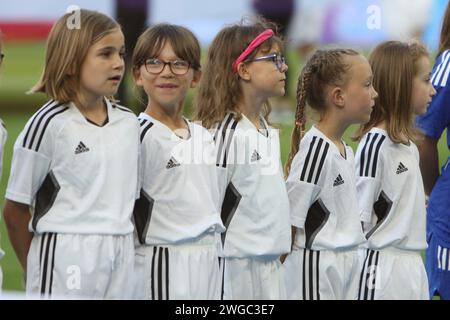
167	86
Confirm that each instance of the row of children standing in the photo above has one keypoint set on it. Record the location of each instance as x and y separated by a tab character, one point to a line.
161	207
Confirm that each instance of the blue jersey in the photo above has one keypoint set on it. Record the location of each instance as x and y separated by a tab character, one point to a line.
433	123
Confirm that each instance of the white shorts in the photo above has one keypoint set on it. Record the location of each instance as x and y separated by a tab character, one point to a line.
73	266
393	274
186	271
322	275
255	278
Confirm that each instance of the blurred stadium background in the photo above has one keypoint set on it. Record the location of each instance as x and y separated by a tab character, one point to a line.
360	24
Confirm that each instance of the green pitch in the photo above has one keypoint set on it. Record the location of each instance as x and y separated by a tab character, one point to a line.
21	69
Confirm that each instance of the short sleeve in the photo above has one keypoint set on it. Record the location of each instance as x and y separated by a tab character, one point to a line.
30	164
3	136
306	178
369	170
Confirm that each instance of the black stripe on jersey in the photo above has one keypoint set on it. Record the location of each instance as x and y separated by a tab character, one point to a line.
363	270
153	273
227	130
35	124
45	198
45	127
304	275
160	261
144	128
381	207
221	134
309	172
36	116
122	108
52	265
310	290
166	253
227	149
368	269
316	219
369	273
142	213
46	262
229	206
317	275
374	142
374	284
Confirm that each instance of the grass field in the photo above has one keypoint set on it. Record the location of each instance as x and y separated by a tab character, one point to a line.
22	67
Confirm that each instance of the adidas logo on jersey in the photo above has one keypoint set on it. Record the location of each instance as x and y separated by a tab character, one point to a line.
172	163
81	148
255	156
338	181
401	168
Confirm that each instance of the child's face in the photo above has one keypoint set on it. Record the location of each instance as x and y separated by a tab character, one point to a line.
103	67
264	76
358	94
423	90
166	90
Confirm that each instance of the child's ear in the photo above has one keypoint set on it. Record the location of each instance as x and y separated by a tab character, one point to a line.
243	72
196	79
338	97
137	76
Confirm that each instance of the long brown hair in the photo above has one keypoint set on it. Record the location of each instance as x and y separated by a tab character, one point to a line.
219	90
325	68
444	42
66	50
394	66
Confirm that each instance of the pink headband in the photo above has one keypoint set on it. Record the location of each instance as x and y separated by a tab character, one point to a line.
263	36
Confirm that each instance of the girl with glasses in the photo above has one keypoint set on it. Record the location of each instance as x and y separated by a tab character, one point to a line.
177	215
244	69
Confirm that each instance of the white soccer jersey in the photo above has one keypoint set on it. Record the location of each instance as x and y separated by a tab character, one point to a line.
179	198
322	193
255	207
3	136
390	192
76	176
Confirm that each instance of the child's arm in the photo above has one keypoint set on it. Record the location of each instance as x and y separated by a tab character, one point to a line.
429	163
17	216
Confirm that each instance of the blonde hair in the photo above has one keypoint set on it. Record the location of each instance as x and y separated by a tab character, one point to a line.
66	50
394	66
444	42
219	90
325	68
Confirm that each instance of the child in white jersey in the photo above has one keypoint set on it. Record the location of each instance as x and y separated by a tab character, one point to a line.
75	167
391	195
177	215
324	263
244	68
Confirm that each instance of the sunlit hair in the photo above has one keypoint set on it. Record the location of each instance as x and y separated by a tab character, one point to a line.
220	89
66	50
324	69
394	66
444	42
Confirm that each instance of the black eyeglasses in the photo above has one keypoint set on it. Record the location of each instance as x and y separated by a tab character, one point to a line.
1	58
276	58
156	66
